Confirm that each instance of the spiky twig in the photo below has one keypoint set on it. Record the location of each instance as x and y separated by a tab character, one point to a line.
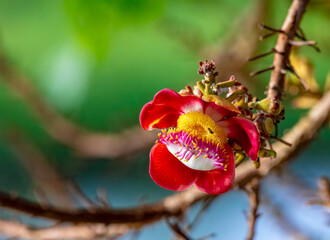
289	29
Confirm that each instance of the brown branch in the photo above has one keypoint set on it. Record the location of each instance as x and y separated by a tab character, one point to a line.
303	132
271	29
205	204
47	180
177	229
81	231
324	193
302	43
236	49
300	34
282	221
252	190
261	55
261	71
280	62
324	187
82	197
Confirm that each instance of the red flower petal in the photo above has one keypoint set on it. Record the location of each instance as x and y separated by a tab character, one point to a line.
217	181
244	132
168	172
165	109
158	116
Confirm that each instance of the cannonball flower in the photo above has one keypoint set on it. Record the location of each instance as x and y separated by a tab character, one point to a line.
193	146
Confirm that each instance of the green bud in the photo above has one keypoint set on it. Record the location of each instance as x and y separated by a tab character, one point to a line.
239	158
256	163
263	105
268	125
266	153
201	86
226	84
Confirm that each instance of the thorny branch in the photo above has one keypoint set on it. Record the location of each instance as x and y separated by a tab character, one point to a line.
287	34
252	190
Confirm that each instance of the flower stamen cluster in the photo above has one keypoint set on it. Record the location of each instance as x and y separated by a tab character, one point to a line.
194	147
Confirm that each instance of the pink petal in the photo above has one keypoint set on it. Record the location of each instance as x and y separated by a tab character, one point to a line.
217	181
166	107
168	172
244	132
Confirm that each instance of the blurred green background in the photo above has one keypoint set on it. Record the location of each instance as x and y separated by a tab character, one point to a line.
98	62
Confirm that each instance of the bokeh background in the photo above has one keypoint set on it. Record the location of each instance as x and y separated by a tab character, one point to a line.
98	62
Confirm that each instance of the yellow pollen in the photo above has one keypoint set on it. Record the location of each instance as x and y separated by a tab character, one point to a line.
203	127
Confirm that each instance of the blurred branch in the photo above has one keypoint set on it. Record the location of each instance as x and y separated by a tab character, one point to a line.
231	60
81	231
252	190
177	229
206	202
302	133
283	47
324	193
45	177
282	221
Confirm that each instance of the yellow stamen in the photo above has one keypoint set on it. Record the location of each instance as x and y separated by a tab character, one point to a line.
202	126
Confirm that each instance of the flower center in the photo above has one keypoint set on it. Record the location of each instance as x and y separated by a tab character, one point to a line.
202	126
198	142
